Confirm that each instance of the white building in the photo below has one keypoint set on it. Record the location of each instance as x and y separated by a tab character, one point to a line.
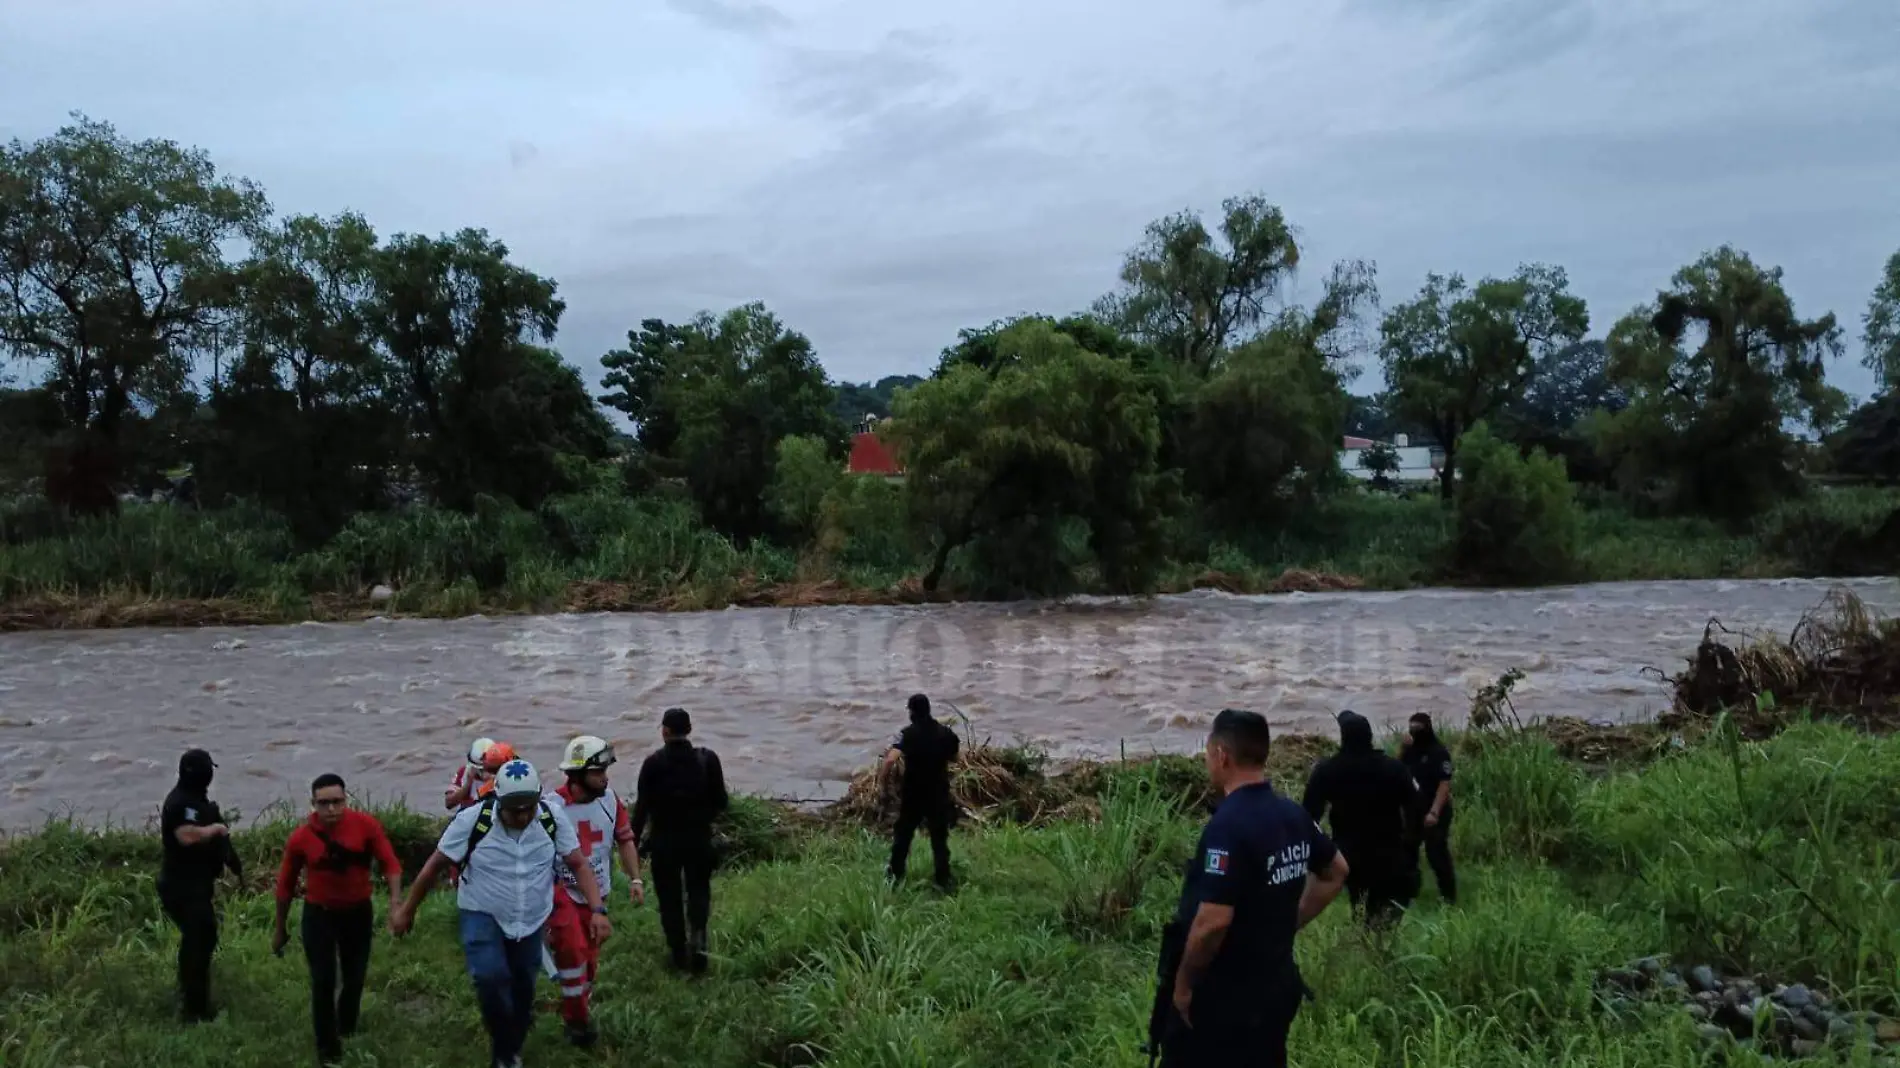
1417	463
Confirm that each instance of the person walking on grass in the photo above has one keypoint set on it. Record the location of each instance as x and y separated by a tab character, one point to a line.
681	790
928	749
603	826
507	848
1262	871
1429	761
1372	798
333	852
197	847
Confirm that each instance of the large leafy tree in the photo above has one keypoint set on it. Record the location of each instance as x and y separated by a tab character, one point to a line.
302	421
1190	294
1263	435
1456	354
1002	458
306	296
635	374
112	272
490	410
713	398
1566	389
1881	327
1717	369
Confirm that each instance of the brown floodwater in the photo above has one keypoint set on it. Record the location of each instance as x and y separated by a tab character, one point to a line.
795	701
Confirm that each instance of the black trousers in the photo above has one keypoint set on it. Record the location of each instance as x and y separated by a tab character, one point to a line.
1242	1038
682	880
1380	883
189	908
336	944
911	814
1438	855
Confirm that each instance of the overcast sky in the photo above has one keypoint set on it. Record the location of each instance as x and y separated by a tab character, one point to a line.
882	173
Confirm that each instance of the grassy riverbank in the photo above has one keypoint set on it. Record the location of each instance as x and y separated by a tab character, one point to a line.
1773	858
171	566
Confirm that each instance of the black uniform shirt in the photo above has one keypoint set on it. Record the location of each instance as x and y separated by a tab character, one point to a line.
929	749
193	866
1429	765
1254	856
1371	796
681	789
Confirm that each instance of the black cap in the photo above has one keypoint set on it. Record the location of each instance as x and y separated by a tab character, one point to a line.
195	759
677	722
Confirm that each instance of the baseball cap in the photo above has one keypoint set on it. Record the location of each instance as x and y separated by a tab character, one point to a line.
677	721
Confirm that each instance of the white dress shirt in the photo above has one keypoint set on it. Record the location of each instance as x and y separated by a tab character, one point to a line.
510	876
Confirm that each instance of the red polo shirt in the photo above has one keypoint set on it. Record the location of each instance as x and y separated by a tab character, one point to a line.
336	872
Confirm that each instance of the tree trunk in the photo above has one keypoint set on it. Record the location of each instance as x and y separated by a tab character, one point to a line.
1450	470
935	574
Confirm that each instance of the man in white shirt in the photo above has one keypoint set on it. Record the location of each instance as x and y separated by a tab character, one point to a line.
506	848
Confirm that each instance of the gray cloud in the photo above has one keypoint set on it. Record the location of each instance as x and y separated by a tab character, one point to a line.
734	16
884	174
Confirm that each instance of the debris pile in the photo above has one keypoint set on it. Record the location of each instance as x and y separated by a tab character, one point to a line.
1840	661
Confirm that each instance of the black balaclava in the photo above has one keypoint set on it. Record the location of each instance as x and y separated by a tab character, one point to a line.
194	771
1427	736
1355	732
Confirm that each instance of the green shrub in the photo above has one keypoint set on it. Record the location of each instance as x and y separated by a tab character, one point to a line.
1516	515
803	474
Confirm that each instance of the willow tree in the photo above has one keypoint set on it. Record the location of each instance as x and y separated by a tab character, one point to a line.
1717	370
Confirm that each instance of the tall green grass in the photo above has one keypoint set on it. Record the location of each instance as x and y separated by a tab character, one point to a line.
655	547
816	963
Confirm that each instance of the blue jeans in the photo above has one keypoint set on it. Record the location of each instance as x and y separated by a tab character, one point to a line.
504	971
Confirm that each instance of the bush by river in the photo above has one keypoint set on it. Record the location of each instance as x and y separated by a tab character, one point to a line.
154	564
1768	860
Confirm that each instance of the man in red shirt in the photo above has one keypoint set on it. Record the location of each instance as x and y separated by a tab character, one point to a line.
333	852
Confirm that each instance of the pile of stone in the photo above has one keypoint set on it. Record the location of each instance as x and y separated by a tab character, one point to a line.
1790	1020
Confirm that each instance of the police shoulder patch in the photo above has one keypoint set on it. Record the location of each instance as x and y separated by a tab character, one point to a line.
1217	862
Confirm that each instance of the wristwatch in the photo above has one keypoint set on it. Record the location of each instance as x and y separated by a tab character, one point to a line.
602	910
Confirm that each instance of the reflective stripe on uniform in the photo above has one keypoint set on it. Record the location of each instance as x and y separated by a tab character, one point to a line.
574	991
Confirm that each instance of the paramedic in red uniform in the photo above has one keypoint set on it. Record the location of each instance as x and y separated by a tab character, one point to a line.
333	852
601	823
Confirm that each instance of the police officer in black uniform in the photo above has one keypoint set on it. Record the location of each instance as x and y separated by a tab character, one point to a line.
928	749
1373	801
1430	764
682	789
1262	871
197	847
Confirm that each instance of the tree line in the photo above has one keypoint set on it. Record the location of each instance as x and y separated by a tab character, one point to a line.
158	316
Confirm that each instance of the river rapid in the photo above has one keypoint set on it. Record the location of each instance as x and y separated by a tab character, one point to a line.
796	701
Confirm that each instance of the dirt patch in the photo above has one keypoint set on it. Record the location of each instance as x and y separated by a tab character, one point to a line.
1292	580
1599	744
1840	661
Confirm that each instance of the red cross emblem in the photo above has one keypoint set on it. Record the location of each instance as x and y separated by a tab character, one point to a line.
589	838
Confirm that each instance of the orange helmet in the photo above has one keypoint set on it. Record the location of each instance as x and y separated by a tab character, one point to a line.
498	754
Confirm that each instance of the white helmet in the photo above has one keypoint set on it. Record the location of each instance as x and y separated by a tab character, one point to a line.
515	779
586	753
478	750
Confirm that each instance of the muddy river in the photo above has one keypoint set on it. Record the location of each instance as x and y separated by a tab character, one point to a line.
91	723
